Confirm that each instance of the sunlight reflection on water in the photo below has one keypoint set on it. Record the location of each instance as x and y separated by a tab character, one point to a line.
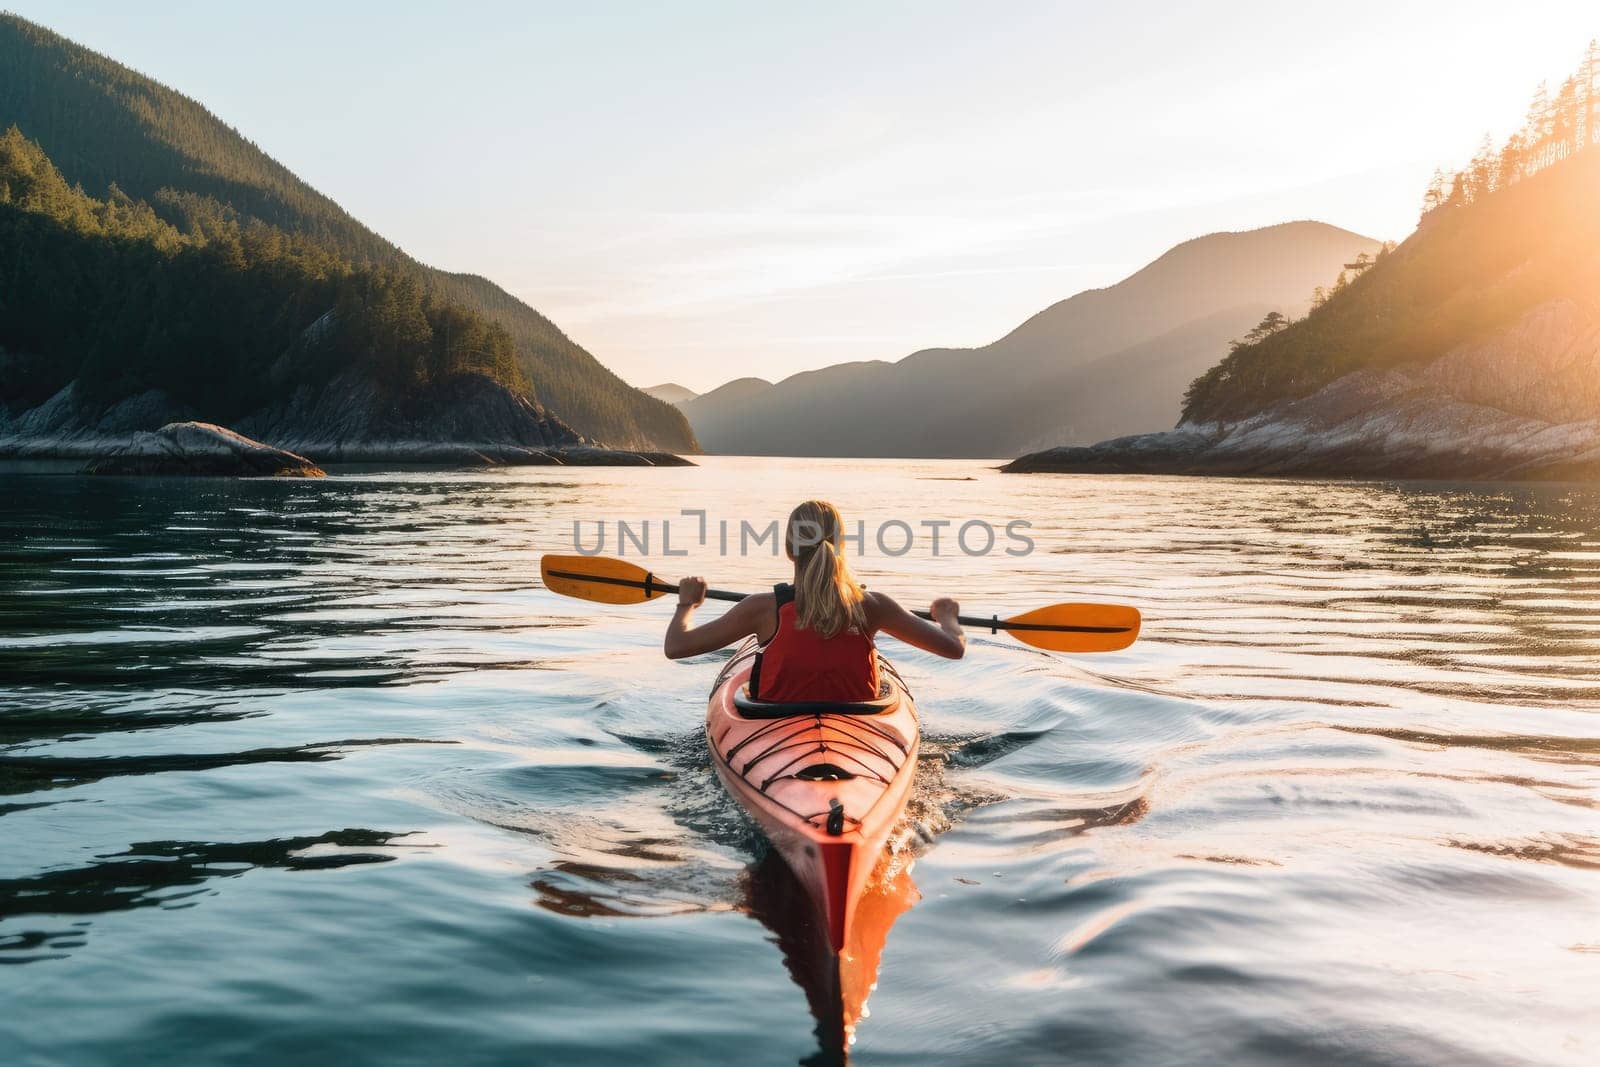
315	769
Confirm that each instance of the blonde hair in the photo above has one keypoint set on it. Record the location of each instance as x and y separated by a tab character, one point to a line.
827	598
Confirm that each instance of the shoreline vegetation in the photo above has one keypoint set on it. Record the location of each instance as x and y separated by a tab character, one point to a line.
1471	350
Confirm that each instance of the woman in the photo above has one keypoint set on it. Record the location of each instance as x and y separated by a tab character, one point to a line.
815	634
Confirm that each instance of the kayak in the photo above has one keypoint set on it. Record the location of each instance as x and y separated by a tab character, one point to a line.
826	781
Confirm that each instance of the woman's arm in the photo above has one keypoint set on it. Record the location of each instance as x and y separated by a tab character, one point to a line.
743	619
942	637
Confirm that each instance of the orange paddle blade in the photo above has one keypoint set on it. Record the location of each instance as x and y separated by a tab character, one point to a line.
602	580
1076	627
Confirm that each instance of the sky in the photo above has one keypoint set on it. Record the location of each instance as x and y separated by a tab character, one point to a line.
697	192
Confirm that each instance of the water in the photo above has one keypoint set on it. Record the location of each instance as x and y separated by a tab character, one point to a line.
315	770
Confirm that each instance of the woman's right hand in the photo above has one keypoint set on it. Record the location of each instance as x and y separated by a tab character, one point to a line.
944	611
691	592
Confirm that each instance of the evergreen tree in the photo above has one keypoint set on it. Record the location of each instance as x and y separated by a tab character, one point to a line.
110	294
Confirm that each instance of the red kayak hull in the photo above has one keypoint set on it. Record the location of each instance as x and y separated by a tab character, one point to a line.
826	789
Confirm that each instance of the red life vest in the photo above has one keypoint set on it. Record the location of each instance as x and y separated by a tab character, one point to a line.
800	665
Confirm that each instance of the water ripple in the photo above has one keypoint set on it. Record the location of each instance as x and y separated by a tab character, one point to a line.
1337	805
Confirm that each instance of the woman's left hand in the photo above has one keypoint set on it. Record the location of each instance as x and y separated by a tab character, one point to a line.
691	592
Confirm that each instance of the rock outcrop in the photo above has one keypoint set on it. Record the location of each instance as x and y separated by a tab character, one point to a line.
201	448
1523	403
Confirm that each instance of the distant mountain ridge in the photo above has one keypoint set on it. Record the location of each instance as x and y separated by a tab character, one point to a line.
670	393
1101	362
110	128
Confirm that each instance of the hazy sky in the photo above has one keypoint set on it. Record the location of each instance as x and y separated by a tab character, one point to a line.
697	192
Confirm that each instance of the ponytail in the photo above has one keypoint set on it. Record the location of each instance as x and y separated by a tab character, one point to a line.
828	600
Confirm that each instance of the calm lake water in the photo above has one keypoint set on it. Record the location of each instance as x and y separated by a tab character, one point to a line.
314	771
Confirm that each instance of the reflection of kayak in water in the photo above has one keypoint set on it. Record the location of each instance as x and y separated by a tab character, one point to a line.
827	782
836	984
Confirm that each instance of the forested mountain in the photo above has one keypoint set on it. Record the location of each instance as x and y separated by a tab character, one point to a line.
1472	350
1105	361
215	313
121	135
1512	230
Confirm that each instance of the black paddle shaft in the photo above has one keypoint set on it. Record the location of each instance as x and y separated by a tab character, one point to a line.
994	624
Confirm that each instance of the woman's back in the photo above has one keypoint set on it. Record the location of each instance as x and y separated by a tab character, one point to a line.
799	664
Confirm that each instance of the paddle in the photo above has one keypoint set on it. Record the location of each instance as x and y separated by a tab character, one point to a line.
1059	627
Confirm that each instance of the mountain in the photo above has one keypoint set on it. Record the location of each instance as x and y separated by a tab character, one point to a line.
670	393
1105	361
118	133
1470	351
125	339
114	322
723	411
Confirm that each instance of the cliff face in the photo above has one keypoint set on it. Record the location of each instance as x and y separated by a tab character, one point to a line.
1523	402
64	427
1546	367
350	420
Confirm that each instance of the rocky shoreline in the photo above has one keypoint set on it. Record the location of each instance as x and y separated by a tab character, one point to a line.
1522	405
470	422
78	453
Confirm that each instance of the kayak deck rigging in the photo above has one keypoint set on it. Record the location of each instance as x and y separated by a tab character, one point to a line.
873	753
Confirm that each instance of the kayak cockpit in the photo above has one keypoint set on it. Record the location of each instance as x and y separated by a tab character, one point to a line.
824	772
888	700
